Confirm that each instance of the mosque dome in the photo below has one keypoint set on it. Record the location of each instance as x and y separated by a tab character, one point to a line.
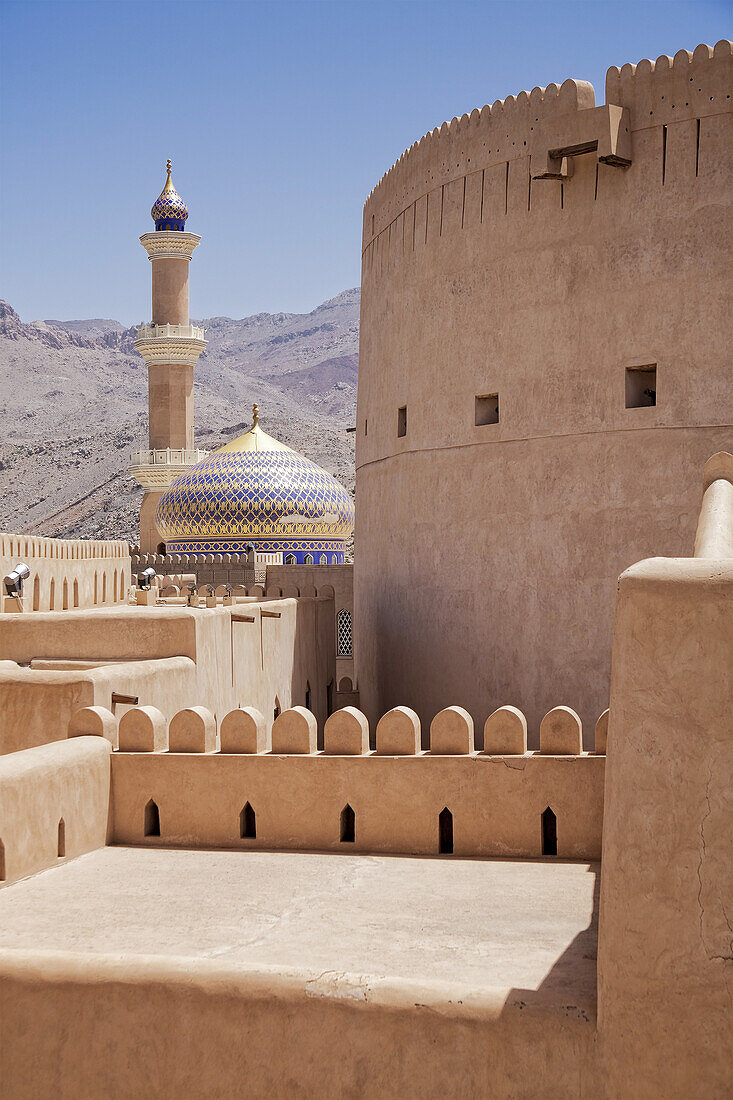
169	210
257	491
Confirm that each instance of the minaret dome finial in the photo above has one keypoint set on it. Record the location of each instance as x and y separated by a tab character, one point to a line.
169	210
255	414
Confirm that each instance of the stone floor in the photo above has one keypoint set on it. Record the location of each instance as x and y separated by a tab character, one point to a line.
497	925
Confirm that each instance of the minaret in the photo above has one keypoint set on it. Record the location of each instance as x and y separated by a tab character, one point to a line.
170	346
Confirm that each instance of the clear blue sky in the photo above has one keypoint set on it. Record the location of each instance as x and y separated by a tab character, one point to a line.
279	117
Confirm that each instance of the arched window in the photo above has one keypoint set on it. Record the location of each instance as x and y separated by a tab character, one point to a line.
323	560
348	822
61	846
161	549
65	594
76	593
36	593
104	588
152	819
308	559
290	559
95	588
52	596
247	823
343	633
114	590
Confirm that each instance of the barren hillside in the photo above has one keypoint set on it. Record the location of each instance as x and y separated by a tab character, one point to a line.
73	404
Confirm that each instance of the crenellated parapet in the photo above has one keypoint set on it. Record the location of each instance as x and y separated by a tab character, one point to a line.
247	782
690	85
548	126
65	573
486	137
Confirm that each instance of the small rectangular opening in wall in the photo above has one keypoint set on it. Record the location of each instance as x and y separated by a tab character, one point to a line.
402	420
641	386
487	408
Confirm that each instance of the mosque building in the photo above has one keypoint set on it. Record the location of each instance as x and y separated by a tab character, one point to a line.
254	493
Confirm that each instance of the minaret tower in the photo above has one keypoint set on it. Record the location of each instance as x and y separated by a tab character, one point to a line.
170	346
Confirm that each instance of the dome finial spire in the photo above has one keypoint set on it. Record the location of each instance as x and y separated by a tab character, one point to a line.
169	210
255	414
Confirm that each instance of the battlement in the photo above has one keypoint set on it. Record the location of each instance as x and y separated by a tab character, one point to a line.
487	136
33	546
255	784
65	573
689	86
673	89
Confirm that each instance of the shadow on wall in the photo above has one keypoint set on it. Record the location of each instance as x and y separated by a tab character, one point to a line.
575	968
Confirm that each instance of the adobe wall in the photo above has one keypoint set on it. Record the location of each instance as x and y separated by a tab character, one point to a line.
55	804
665	952
284	1033
289	580
67	573
309	579
488	554
496	802
259	654
213	569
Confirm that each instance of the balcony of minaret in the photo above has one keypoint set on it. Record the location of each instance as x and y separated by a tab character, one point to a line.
170	343
156	469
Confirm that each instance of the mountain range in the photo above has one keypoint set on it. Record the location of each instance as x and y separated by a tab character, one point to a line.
73	405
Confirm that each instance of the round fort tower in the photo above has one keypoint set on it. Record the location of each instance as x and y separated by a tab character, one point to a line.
170	346
543	371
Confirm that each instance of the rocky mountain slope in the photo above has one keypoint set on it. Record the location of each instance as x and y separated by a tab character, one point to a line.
73	404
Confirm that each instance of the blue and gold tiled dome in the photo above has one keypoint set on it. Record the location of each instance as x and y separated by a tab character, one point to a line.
169	210
256	491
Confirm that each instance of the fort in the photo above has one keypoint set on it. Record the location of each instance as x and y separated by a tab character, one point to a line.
484	850
503	427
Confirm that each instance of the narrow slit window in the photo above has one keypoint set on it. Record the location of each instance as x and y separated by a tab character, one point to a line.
61	839
348	824
487	408
549	833
307	695
445	832
152	819
2	862
641	386
402	420
247	823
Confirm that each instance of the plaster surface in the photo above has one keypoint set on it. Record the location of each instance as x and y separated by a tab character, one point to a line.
488	552
483	924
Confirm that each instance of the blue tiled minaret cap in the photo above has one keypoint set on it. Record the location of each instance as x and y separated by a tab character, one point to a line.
169	210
